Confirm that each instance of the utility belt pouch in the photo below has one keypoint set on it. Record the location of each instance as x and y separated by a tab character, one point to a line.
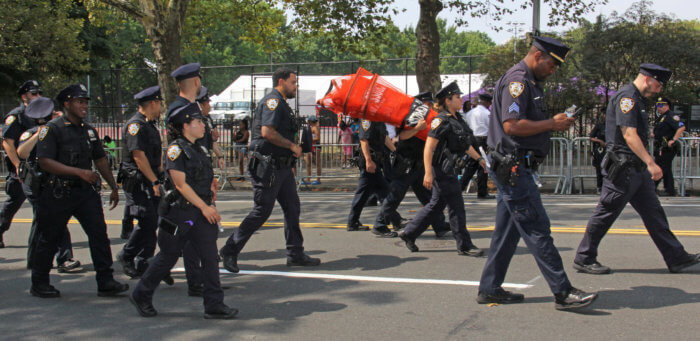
168	226
506	168
22	170
167	201
400	165
33	180
446	161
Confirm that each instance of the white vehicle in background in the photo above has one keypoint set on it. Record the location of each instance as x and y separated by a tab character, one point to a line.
237	110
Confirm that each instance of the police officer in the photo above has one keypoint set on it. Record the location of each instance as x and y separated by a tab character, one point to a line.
40	110
141	173
211	135
408	170
478	121
668	128
597	137
373	144
273	155
448	144
630	173
519	139
66	149
15	124
187	216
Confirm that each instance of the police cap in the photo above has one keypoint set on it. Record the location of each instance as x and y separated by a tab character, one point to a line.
448	91
486	97
203	95
29	86
425	96
39	108
186	71
552	47
664	100
184	114
149	94
72	91
657	72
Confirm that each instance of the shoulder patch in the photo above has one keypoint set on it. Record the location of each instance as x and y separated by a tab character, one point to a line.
435	123
272	103
662	119
25	135
626	104
133	128
42	132
9	120
174	152
91	134
516	88
676	117
366	124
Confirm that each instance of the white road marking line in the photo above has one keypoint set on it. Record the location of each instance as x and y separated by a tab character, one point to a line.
533	280
364	278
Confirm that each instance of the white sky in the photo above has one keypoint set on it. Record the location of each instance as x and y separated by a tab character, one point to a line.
681	9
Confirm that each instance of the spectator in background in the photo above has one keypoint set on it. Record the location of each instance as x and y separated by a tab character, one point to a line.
110	146
315	155
345	137
240	140
355	127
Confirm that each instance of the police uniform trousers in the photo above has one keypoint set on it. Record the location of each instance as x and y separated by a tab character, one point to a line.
143	205
128	220
284	190
52	215
193	229
445	193
520	213
473	167
15	198
397	191
664	158
65	247
637	188
367	184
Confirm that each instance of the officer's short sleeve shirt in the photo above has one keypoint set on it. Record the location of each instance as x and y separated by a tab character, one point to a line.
175	158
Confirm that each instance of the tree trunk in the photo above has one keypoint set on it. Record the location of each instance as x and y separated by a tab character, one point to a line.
428	52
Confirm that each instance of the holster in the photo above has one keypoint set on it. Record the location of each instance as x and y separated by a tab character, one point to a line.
167	200
401	165
505	167
262	167
30	177
615	163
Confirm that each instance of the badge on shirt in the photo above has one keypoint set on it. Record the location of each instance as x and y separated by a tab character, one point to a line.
366	124
626	104
435	123
173	152
42	132
133	128
272	103
25	135
91	135
516	88
9	120
676	117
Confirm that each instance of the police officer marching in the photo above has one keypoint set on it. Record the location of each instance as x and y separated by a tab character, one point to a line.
519	140
408	171
630	173
15	124
273	155
373	144
141	173
40	111
448	145
667	130
187	216
66	150
597	137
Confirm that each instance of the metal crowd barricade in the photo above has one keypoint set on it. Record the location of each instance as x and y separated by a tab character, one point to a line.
332	162
556	164
689	163
580	163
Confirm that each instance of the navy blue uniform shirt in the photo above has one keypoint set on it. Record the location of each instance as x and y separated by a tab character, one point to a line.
452	132
517	95
626	108
274	111
666	126
375	133
70	144
140	134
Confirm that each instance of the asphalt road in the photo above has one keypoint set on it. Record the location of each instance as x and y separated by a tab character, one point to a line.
373	288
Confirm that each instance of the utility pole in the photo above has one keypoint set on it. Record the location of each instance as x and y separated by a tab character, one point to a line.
515	28
535	18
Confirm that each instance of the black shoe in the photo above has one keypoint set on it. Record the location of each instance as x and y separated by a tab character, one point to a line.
384	232
145	309
68	266
303	261
127	266
695	259
44	291
126	232
410	243
486	197
221	313
168	279
500	296
472	251
357	226
398	228
573	299
594	268
111	288
230	262
195	290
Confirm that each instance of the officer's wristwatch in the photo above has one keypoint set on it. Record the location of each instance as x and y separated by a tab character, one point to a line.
155	183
